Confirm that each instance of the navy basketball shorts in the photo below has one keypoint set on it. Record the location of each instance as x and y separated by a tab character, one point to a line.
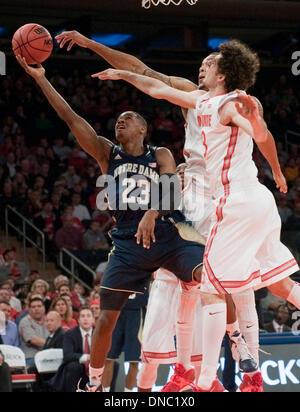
130	265
125	336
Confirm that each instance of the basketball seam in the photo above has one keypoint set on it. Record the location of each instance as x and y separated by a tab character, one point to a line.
24	44
39	38
17	43
26	47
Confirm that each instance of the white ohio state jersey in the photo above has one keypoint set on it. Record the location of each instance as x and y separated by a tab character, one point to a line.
194	153
227	150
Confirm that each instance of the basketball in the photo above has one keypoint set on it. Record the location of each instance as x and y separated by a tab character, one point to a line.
33	42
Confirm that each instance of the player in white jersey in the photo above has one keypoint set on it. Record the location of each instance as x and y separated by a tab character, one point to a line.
242	204
195	167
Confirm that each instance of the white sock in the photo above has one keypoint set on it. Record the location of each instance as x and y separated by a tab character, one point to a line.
294	296
184	327
128	390
96	376
248	320
214	329
106	389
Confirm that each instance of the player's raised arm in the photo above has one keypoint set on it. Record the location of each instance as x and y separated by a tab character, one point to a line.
244	113
96	146
153	87
121	60
269	151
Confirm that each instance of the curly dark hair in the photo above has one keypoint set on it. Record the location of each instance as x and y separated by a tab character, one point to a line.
239	64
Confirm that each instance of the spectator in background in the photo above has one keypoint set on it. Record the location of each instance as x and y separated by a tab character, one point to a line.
61	306
79	293
56	332
46	222
68	236
94	237
76	222
5	375
17	270
39	186
33	330
58	208
278	325
54	341
61	150
73	310
95	308
76	347
41	287
59	280
5	297
66	290
11	165
71	177
10	334
78	158
14	302
33	275
79	210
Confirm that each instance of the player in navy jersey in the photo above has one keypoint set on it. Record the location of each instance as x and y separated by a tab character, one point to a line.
144	239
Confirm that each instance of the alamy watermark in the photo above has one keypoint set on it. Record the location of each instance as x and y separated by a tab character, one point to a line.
135	192
296	324
2	64
296	65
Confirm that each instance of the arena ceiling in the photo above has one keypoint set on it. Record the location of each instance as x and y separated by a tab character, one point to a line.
250	20
205	9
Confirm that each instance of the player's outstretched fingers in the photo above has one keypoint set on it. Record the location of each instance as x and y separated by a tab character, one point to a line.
138	236
146	239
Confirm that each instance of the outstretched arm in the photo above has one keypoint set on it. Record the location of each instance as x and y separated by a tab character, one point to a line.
153	87
97	146
269	151
122	61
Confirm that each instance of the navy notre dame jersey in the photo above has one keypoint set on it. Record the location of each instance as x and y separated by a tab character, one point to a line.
129	194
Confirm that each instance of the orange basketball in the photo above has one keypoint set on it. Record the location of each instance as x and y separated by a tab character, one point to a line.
33	42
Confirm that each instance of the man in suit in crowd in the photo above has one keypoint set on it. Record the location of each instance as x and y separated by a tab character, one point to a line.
76	348
278	325
54	341
56	337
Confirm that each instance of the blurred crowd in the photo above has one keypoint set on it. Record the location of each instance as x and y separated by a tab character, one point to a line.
46	176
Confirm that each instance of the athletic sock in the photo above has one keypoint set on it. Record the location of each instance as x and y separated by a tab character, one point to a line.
185	326
214	329
248	320
96	376
294	296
